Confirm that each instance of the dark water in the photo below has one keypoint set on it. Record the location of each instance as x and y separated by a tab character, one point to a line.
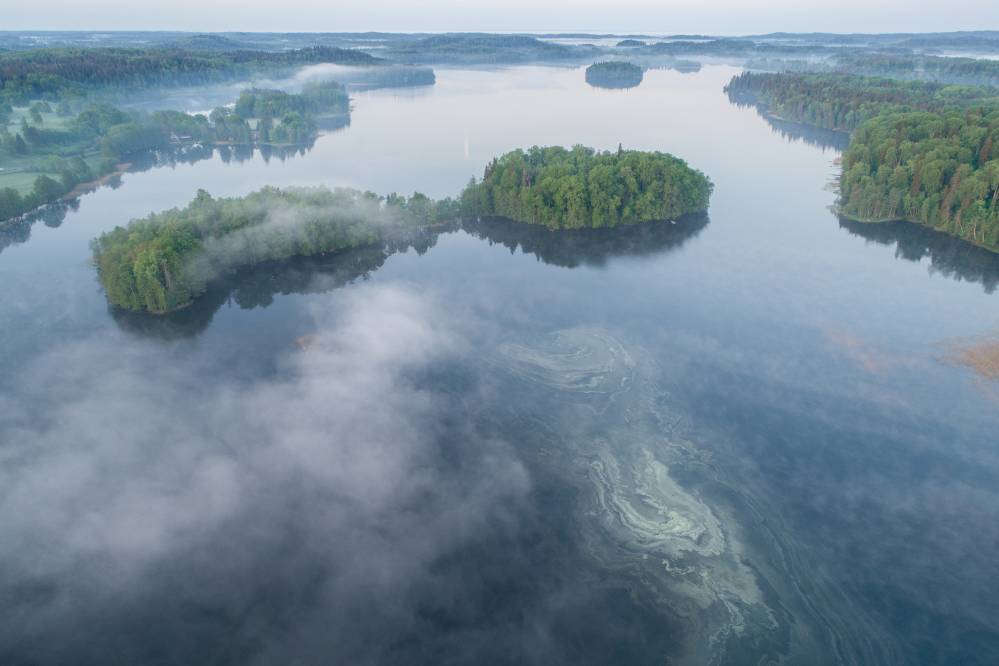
731	440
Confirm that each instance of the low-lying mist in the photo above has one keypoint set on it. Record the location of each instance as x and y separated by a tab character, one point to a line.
311	517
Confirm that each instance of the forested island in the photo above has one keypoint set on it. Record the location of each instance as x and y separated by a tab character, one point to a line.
163	262
921	152
581	188
614	74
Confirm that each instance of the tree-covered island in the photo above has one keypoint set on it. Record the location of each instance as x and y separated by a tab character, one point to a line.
581	188
163	262
614	74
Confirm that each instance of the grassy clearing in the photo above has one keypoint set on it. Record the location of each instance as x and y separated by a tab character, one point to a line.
22	181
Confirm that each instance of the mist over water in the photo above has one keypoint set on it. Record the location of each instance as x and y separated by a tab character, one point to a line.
731	440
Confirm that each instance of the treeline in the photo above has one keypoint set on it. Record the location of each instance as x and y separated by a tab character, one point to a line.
969	71
280	117
902	66
939	169
581	188
843	101
53	73
483	48
163	262
115	136
324	97
922	152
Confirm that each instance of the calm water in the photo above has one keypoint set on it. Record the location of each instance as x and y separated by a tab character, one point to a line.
731	440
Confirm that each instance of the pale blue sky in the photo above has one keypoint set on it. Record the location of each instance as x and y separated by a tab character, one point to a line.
651	16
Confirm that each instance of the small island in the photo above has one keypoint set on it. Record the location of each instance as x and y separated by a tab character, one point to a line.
614	74
163	262
583	188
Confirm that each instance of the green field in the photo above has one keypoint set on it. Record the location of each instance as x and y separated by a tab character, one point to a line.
49	120
22	181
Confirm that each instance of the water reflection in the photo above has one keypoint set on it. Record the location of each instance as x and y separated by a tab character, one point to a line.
588	247
257	286
792	131
949	256
18	230
814	136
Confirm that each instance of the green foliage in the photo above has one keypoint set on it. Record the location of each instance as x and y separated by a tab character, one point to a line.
481	47
52	73
970	71
939	169
922	152
843	101
164	261
118	135
48	189
11	203
132	138
324	97
582	188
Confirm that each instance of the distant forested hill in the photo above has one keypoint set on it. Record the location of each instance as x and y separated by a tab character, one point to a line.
483	48
48	73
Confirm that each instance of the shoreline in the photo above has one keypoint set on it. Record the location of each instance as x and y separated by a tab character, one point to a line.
861	220
123	167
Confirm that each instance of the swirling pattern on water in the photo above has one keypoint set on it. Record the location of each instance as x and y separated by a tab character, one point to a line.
621	435
579	360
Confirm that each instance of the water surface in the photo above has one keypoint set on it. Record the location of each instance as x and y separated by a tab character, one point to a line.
729	440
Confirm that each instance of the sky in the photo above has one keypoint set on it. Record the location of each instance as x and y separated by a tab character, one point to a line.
645	16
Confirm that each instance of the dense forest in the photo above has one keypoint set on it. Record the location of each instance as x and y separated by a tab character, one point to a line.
163	262
970	71
939	169
580	188
614	74
920	151
843	102
325	97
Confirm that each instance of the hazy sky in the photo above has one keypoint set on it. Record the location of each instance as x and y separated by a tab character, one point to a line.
651	16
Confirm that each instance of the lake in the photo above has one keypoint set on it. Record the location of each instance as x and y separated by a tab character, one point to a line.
733	439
